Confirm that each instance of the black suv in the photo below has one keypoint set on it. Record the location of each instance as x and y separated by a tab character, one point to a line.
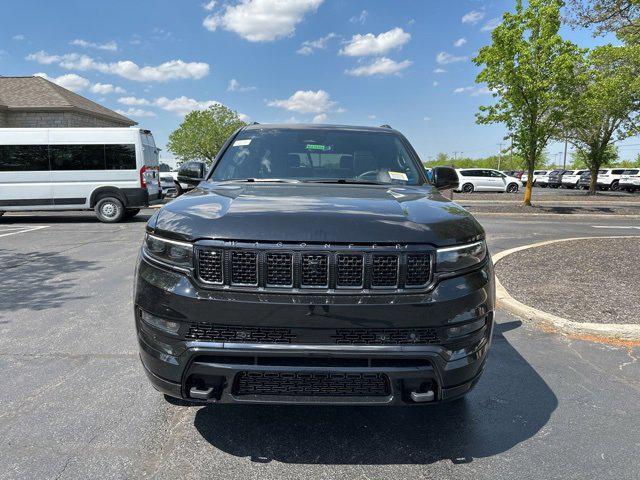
315	265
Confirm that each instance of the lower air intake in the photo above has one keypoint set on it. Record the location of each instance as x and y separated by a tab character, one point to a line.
312	384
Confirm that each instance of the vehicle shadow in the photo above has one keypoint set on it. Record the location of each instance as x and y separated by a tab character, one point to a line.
76	217
28	280
510	404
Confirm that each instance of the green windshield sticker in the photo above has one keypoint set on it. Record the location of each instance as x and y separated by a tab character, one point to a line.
322	148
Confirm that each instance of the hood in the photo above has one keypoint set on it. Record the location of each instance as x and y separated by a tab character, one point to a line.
317	213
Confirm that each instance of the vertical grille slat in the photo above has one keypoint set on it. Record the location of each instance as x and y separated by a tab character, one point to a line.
315	270
418	269
350	270
280	269
210	266
244	267
384	270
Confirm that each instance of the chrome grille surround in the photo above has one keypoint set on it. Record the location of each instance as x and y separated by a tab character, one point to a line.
314	268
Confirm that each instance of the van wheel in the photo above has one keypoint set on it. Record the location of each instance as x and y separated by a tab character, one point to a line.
178	189
131	212
467	188
109	210
512	188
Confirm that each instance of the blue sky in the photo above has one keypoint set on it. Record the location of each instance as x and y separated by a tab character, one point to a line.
403	62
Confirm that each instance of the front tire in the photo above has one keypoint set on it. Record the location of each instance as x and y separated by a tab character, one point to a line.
178	189
109	210
614	186
467	188
512	188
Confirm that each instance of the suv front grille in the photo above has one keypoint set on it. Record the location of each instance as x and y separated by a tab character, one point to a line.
311	384
386	336
343	270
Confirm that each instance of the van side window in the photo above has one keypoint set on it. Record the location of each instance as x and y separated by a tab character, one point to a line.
77	157
120	157
23	158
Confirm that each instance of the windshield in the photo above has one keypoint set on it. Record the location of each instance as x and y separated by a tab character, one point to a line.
317	155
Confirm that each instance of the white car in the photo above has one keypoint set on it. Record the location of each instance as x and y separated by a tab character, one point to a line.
113	171
609	178
630	180
537	176
485	180
168	184
571	178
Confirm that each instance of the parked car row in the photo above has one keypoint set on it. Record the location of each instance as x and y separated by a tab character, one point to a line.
608	179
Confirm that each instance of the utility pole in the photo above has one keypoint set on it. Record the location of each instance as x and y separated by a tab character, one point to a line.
499	155
564	163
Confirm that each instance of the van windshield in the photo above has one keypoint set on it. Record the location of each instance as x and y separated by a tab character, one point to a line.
317	155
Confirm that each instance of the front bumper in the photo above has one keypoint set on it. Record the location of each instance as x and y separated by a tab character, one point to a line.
449	367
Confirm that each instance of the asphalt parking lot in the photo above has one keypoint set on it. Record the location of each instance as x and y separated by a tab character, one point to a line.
74	401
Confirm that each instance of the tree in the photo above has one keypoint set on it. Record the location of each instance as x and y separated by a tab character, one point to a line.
580	158
607	107
621	17
203	132
530	69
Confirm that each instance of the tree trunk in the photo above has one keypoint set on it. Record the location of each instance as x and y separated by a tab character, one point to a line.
529	187
593	181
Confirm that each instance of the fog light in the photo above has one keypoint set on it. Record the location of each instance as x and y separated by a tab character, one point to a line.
467	328
160	323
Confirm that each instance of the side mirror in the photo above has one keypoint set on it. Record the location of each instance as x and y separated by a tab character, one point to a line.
192	173
445	178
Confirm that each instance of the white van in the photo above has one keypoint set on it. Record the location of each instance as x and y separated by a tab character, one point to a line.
111	170
485	180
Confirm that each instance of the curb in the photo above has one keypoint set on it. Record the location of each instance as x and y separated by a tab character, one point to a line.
506	301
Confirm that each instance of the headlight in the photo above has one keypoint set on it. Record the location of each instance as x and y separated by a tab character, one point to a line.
452	259
175	253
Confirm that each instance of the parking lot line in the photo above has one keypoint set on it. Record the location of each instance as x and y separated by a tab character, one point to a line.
18	230
623	227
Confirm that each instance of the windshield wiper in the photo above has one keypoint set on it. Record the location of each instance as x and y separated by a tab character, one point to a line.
346	181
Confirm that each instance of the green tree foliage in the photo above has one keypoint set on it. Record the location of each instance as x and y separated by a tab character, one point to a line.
621	17
531	71
608	105
504	162
203	132
580	158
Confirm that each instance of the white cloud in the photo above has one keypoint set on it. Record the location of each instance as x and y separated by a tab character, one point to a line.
109	46
179	105
472	17
460	42
182	105
435	83
105	88
209	6
371	117
70	81
171	70
444	58
235	86
261	20
361	19
310	46
136	112
490	25
320	118
474	91
133	101
427	119
370	44
306	101
382	66
19	37
439	70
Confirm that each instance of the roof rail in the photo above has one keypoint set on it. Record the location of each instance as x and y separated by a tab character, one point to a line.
385	126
